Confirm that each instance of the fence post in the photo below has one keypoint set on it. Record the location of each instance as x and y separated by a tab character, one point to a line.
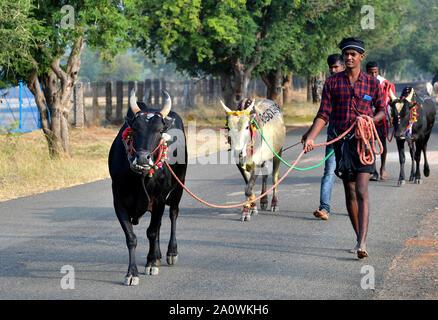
78	103
140	91
21	105
185	95
119	101
204	92
192	94
109	102
156	93
131	85
211	83
96	117
147	92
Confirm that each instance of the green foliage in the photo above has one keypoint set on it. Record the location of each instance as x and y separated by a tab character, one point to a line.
423	41
18	36
200	36
32	35
132	65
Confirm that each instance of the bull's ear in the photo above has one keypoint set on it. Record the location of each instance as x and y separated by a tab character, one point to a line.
168	122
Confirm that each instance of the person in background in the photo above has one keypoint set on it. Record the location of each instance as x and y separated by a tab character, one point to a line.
382	126
335	64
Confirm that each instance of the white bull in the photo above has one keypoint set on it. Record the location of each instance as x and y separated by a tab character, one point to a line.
250	149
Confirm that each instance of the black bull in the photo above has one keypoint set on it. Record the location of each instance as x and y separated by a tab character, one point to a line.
131	200
413	120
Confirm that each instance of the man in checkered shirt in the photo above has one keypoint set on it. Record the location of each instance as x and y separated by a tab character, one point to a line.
345	96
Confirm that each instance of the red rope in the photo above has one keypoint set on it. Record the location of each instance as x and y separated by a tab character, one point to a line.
267	191
366	131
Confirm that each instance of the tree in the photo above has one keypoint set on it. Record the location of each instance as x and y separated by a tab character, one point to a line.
423	41
207	37
17	38
52	61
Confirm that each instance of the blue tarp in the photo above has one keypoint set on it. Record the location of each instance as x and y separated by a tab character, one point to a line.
18	110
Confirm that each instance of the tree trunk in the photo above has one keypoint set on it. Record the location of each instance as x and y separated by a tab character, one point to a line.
242	77
287	88
53	101
274	80
309	88
317	85
226	89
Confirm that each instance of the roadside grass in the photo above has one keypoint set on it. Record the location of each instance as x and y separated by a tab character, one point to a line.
27	169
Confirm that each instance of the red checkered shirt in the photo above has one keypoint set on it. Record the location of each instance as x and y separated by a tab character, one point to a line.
345	102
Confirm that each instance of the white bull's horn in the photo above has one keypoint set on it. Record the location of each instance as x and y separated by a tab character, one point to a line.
133	102
409	98
167	104
224	106
391	95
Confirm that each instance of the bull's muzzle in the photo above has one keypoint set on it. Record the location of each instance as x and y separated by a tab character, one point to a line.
144	159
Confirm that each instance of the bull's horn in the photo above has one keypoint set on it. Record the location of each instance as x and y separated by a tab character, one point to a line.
167	104
409	98
391	95
429	88
224	106
133	102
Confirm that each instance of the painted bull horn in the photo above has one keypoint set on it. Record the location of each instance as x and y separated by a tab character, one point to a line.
167	104
391	95
133	102
409	98
224	106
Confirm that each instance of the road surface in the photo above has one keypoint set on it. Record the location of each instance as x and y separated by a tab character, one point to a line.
286	255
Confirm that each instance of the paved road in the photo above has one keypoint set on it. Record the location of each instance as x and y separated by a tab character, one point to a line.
286	255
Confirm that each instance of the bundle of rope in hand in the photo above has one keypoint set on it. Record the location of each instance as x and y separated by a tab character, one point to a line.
366	132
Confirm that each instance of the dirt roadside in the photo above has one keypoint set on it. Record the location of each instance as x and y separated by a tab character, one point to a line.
413	274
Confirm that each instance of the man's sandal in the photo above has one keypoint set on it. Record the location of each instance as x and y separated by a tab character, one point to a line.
320	214
362	253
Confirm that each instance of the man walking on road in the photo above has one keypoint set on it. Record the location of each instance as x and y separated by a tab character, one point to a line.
336	64
347	95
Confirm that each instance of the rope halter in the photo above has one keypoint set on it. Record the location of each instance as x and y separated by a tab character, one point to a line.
161	148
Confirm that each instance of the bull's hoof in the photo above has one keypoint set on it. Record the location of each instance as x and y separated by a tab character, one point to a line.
244	218
171	259
246	214
418	181
401	182
264	206
253	212
426	171
131	281
151	270
274	209
411	178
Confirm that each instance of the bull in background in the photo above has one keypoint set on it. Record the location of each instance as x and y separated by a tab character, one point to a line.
251	151
413	119
142	182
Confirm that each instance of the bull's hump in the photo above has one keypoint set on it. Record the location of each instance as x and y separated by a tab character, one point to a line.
268	112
